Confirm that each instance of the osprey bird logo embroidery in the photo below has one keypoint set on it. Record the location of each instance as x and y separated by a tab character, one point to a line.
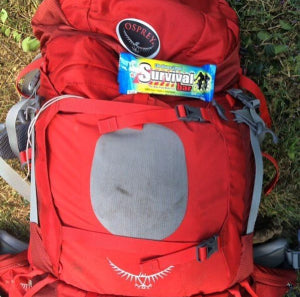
142	281
27	286
136	45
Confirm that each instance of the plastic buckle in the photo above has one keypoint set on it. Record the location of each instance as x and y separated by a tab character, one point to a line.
191	114
211	246
32	108
244	98
293	258
31	82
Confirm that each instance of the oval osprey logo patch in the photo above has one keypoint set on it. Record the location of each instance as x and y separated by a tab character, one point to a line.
138	37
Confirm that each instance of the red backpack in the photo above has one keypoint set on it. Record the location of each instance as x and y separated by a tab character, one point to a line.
141	195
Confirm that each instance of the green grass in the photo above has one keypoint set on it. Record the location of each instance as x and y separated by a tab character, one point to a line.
269	33
14	211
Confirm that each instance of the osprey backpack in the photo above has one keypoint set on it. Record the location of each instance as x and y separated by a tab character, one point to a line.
138	194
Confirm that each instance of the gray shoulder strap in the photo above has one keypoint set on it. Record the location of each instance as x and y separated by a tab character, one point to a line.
258	130
34	218
258	182
14	179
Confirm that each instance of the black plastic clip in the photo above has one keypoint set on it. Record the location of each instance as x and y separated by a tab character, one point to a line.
31	82
189	114
211	246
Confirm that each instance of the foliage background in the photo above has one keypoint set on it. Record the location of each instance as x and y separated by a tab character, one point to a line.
269	33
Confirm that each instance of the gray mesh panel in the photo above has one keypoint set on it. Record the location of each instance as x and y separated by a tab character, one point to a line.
139	182
5	149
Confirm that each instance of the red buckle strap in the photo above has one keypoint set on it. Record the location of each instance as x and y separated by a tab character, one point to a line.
126	121
165	115
201	252
23	157
181	112
206	248
269	188
235	291
249	85
245	284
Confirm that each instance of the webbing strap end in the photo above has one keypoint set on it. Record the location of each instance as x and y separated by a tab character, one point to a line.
207	248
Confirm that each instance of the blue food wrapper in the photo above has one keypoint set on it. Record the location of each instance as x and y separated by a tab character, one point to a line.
142	75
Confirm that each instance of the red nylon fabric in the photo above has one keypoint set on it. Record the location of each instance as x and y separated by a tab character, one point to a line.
78	230
272	282
17	279
80	51
80	44
10	266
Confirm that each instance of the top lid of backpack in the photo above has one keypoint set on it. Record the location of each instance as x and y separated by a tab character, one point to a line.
187	32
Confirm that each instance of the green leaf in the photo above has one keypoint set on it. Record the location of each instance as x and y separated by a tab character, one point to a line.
30	44
7	32
255	68
278	49
292	155
3	15
263	35
270	50
16	36
248	41
284	25
292	152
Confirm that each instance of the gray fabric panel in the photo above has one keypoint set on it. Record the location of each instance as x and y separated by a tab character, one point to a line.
5	149
139	182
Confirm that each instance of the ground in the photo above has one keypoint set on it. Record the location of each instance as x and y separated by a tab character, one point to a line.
269	33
